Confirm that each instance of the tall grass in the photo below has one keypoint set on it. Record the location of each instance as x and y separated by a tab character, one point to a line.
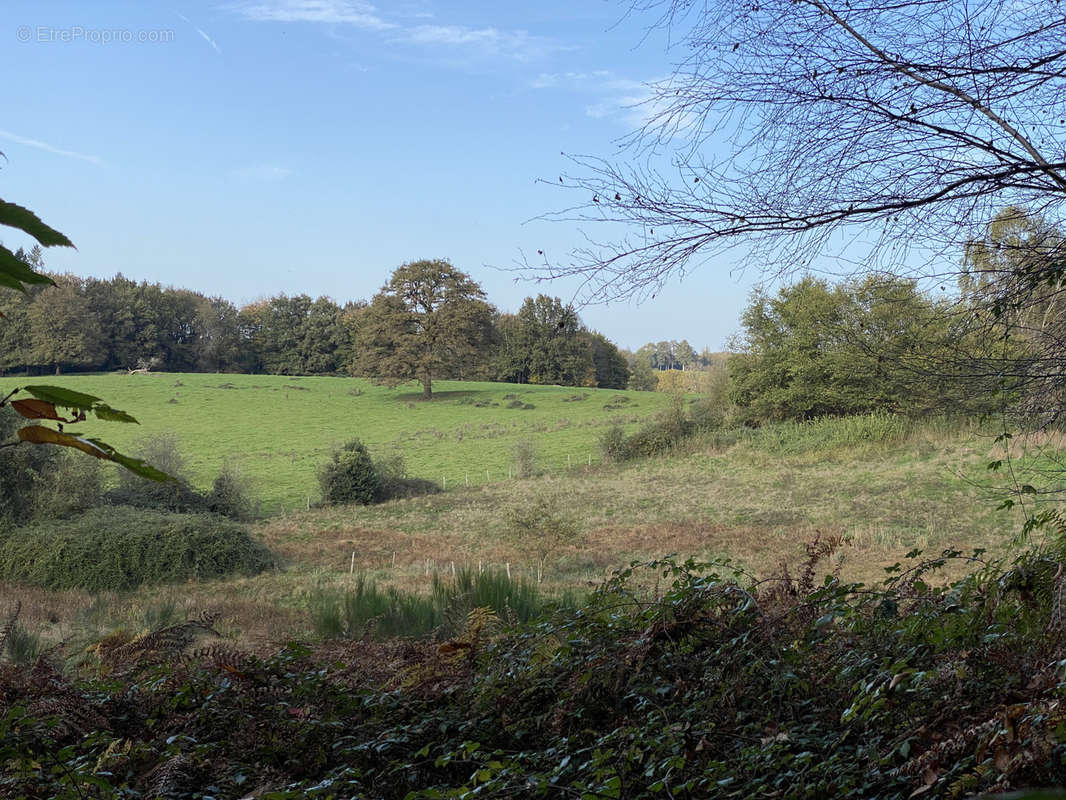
389	612
827	433
517	600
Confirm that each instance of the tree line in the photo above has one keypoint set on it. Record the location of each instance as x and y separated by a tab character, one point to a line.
105	324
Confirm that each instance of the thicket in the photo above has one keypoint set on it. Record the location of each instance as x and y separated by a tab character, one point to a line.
661	436
228	495
878	344
674	680
353	476
118	549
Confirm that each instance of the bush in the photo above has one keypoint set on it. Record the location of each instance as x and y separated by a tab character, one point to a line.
43	482
118	549
178	495
656	438
613	444
706	414
229	496
351	476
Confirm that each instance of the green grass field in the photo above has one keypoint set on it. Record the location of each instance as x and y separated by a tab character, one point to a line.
276	430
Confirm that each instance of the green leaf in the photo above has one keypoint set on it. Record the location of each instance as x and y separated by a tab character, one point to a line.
67	398
135	465
14	272
108	414
15	216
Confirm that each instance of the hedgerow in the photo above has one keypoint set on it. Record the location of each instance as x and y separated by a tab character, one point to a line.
715	685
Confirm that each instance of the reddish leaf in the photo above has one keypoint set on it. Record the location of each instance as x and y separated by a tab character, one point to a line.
39	409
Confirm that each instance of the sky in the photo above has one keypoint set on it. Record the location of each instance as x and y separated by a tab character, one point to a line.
247	149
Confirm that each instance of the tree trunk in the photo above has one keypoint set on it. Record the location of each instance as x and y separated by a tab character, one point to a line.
427	388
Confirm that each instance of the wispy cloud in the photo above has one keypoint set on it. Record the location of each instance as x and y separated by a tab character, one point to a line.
463	40
203	35
50	148
516	44
630	102
261	172
337	12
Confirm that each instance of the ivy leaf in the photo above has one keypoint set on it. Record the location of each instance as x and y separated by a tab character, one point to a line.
15	216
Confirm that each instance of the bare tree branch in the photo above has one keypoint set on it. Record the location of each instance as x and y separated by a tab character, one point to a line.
794	132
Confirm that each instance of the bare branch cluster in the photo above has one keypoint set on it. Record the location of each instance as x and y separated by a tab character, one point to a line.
810	128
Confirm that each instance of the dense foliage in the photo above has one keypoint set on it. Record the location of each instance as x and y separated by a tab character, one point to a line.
545	343
712	685
117	549
117	323
353	476
816	349
350	476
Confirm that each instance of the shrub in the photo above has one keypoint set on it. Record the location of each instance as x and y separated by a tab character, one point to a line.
613	444
525	459
351	476
706	414
178	495
656	438
118	549
229	496
43	482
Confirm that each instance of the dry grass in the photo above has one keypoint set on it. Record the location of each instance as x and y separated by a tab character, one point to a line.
753	502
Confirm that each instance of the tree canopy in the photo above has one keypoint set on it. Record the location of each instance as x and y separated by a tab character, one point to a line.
427	322
815	349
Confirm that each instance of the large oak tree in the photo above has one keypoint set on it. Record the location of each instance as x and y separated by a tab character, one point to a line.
429	321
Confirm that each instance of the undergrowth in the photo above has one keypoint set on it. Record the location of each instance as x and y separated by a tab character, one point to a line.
675	680
367	609
121	548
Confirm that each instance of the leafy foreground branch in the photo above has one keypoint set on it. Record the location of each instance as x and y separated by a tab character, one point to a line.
717	686
43	403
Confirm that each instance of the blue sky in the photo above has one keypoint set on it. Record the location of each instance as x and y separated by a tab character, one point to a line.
245	149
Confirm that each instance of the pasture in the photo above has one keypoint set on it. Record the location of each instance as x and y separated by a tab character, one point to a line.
277	430
886	485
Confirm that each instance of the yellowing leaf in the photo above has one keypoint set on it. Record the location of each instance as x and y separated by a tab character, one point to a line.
38	434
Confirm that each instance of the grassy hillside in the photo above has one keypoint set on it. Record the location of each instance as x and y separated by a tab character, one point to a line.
278	430
886	485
